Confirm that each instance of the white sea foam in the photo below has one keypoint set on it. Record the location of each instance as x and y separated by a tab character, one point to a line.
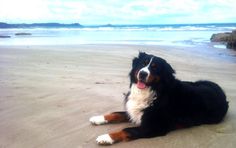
189	35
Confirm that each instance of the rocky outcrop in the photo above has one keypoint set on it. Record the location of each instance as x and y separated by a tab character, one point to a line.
220	37
5	36
232	40
23	33
228	38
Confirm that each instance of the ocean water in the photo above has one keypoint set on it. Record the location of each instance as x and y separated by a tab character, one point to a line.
176	35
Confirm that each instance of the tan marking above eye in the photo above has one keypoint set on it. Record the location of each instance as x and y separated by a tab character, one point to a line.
146	62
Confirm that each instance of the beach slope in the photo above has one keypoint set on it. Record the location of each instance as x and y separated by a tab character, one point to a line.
48	94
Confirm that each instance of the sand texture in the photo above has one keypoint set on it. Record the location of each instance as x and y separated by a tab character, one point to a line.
48	94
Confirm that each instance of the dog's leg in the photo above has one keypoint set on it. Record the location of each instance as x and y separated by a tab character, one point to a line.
109	118
111	138
128	134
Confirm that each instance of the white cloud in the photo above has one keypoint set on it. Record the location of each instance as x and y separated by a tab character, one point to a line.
117	11
159	7
23	9
40	10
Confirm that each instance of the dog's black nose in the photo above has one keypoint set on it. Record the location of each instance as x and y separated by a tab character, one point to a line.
143	75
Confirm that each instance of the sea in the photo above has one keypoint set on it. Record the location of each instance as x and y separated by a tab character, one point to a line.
171	34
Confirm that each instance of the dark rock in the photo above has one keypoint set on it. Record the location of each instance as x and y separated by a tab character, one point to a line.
232	41
220	37
5	36
228	37
23	33
231	45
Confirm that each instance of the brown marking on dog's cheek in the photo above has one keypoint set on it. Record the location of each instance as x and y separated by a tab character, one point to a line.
115	117
150	79
119	136
157	78
136	74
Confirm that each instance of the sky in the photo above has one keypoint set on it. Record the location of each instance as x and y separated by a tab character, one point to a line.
96	12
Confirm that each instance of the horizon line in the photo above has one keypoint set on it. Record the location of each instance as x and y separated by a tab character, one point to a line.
107	24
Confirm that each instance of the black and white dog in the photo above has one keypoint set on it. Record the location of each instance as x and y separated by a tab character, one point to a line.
158	102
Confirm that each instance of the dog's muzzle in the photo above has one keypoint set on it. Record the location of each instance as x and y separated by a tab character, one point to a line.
142	79
142	76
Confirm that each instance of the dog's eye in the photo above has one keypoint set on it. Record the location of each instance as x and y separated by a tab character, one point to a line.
154	66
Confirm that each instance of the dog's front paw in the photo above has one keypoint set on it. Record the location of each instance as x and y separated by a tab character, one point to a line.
98	120
104	140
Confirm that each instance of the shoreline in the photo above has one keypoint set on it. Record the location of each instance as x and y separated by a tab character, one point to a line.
48	93
208	50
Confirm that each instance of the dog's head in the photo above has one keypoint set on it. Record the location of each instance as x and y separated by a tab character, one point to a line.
149	70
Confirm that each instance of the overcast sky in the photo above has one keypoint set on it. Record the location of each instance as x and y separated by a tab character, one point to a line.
118	11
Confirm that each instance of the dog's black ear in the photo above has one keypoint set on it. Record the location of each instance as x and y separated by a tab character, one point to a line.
132	72
141	54
134	62
167	72
169	69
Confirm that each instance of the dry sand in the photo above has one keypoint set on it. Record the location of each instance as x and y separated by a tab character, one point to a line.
48	93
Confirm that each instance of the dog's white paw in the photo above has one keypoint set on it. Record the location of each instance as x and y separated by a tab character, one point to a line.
98	120
104	140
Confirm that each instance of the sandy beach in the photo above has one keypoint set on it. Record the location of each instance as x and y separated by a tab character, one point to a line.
48	94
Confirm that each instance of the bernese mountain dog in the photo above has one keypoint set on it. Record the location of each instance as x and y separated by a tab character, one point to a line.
158	103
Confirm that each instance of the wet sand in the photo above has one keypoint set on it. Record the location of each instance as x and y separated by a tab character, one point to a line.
48	94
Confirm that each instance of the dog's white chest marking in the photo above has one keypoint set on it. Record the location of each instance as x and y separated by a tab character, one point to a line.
138	100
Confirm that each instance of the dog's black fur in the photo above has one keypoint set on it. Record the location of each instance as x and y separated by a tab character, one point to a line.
179	104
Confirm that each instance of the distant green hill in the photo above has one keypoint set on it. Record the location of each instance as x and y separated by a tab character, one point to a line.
40	25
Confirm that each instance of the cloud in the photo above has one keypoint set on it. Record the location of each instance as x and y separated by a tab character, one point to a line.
117	11
23	9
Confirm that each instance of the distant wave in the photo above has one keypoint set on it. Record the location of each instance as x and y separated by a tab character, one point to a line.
183	35
144	28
